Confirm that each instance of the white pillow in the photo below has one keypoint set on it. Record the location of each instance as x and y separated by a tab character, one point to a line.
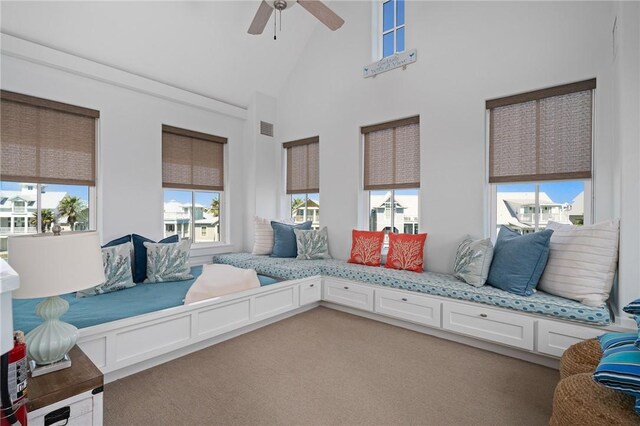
263	239
582	262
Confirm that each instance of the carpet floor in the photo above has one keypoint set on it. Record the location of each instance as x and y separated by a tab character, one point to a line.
325	367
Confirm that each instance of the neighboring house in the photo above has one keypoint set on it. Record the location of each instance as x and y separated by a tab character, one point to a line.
516	210
18	209
312	213
177	220
405	213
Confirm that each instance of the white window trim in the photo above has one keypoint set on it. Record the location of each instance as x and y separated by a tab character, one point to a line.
379	32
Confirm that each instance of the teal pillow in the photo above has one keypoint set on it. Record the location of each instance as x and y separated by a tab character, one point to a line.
519	260
619	369
613	340
116	261
284	239
168	261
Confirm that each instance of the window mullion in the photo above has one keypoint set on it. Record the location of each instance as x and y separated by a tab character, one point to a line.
536	221
38	209
393	210
192	229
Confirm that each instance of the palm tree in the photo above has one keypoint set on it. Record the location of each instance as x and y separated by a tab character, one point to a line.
214	209
295	203
71	207
47	218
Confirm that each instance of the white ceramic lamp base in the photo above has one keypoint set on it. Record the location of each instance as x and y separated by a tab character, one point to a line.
50	342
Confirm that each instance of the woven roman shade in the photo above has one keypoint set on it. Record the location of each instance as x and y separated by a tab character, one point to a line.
542	135
192	160
392	154
303	166
43	141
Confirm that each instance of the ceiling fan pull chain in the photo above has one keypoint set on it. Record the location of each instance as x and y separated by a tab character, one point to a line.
275	25
280	20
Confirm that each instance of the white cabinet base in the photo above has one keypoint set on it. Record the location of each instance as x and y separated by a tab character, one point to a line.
85	409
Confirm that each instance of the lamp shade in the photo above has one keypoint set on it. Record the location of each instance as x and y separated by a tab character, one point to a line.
50	265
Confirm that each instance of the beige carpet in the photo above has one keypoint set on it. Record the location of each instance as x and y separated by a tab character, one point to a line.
326	367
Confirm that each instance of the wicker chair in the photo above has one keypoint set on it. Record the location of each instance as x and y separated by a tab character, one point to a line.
579	400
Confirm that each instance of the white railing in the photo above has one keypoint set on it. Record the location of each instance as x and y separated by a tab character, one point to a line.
4	230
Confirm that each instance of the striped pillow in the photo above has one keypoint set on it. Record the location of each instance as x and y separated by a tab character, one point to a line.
582	262
613	340
263	237
619	369
633	308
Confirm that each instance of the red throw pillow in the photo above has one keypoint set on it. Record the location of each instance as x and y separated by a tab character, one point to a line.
406	251
366	247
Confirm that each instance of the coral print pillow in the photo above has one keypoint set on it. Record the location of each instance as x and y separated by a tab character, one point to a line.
406	251
366	247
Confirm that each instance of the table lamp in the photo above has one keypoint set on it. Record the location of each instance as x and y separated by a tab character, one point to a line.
48	266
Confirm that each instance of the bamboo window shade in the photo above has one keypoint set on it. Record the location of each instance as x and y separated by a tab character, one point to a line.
43	141
303	166
192	160
542	135
392	154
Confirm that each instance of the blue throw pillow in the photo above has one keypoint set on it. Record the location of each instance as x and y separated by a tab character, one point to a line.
619	369
633	308
284	239
118	241
519	260
140	255
613	340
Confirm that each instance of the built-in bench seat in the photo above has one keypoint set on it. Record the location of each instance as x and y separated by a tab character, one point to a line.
89	311
427	282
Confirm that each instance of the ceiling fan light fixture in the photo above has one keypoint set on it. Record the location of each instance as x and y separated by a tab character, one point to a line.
281	5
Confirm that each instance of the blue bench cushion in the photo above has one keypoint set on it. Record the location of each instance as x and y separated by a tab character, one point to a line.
90	311
426	282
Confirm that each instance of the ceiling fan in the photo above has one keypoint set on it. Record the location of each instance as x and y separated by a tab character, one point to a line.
314	7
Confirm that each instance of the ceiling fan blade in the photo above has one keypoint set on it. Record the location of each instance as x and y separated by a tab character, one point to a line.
260	20
322	13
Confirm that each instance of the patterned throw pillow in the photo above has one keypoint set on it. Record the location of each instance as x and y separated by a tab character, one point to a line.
406	251
613	340
116	261
168	262
619	369
312	244
633	308
473	260
366	247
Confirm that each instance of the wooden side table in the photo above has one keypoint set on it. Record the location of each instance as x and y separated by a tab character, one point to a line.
72	396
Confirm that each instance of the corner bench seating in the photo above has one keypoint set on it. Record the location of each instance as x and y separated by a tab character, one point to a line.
431	283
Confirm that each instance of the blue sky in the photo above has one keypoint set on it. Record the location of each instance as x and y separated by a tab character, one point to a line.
559	192
203	198
74	190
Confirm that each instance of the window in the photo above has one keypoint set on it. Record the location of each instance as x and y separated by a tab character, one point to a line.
392	175
303	179
393	27
193	178
540	157
48	167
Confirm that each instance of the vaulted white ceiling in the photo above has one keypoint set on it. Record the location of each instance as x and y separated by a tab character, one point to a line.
202	47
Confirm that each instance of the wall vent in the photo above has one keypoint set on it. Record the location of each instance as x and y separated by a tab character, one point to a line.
266	128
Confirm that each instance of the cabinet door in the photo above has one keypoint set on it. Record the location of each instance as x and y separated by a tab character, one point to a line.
310	292
489	324
554	338
347	293
410	307
275	302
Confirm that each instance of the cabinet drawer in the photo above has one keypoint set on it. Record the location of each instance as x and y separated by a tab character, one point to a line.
275	302
80	411
348	294
489	324
555	338
310	292
410	307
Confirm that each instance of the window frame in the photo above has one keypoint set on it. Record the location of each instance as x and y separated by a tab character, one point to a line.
367	209
394	29
492	188
192	222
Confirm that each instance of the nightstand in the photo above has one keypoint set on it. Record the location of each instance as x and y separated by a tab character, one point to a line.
73	394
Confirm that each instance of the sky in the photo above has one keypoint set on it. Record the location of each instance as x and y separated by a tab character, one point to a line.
203	198
559	192
73	190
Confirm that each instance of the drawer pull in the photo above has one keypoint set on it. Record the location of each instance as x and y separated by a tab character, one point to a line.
483	315
346	288
404	299
311	285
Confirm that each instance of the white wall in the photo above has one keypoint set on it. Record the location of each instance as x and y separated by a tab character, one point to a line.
129	180
467	53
